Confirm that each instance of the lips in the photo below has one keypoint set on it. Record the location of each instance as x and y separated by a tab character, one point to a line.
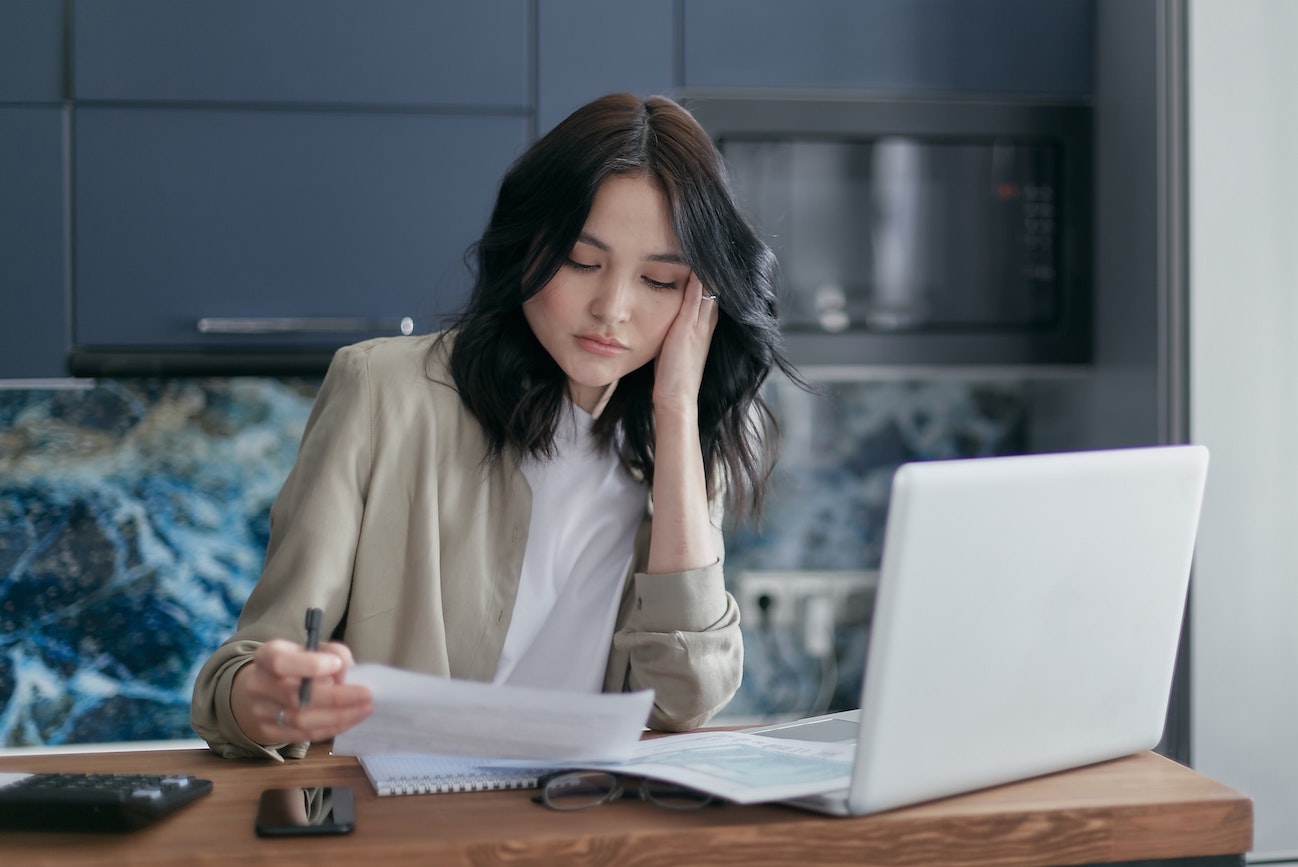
597	345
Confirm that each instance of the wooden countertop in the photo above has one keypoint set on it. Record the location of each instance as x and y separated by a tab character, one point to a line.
1140	807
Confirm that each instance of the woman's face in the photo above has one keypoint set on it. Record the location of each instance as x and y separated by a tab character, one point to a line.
607	310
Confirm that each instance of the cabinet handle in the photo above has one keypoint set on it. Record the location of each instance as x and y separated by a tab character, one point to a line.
301	324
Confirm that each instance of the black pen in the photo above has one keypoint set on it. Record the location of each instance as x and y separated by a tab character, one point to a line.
313	618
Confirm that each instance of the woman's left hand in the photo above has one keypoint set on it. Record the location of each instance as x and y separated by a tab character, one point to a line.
678	371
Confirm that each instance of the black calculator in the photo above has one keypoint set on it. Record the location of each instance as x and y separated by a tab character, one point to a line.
94	802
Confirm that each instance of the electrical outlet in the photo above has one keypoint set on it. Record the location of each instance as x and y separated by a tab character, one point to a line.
796	597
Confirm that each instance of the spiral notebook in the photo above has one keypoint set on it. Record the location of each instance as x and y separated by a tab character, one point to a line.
430	774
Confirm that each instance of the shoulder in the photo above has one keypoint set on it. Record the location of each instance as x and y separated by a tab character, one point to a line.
399	363
406	388
394	381
420	354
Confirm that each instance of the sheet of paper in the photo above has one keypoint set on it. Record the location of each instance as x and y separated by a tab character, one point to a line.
744	768
419	713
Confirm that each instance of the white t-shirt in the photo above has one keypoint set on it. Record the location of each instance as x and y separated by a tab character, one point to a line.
585	512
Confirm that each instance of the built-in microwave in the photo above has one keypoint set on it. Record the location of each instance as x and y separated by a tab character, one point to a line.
918	232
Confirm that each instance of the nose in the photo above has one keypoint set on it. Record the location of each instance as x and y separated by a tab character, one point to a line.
611	302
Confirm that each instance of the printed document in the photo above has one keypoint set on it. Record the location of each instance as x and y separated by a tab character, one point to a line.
743	768
419	713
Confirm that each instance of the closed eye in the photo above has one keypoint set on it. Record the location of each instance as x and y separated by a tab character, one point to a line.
579	266
658	284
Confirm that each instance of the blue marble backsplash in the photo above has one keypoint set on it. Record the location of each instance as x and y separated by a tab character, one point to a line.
133	521
839	447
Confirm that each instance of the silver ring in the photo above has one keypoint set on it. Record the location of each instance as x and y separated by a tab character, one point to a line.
279	719
712	297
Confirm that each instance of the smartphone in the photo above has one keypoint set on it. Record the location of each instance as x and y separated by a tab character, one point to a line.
306	810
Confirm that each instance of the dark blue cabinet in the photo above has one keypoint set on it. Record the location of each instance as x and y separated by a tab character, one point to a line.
277	52
184	215
34	330
586	48
896	46
33	271
332	159
291	174
31	51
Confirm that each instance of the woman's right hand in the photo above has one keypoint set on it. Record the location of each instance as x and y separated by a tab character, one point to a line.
264	695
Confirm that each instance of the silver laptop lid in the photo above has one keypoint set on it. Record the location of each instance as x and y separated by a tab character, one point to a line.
1027	620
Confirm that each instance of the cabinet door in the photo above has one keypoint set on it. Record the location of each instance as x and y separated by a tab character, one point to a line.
31	51
899	46
586	48
183	215
33	276
395	52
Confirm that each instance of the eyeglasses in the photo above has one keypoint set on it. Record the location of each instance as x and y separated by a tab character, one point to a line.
578	790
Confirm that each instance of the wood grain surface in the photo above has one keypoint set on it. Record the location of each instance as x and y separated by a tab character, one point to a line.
1140	807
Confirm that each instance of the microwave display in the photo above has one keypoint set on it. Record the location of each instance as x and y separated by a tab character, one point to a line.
907	234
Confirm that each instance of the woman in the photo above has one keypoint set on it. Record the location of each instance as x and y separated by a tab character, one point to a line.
533	496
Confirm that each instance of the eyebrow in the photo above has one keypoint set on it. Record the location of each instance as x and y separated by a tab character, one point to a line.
668	258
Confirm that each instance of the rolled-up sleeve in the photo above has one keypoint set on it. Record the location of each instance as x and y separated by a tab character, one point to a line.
681	639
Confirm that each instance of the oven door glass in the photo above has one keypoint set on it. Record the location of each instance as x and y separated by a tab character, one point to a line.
899	234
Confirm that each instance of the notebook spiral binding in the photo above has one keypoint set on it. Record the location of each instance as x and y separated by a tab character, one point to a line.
424	786
425	775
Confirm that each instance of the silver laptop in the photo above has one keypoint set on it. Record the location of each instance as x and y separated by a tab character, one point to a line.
1027	621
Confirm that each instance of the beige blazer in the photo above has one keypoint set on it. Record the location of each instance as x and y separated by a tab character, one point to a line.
391	524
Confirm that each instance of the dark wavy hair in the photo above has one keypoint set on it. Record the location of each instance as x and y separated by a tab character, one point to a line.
512	385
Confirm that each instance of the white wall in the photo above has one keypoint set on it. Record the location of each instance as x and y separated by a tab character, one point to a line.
1243	80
